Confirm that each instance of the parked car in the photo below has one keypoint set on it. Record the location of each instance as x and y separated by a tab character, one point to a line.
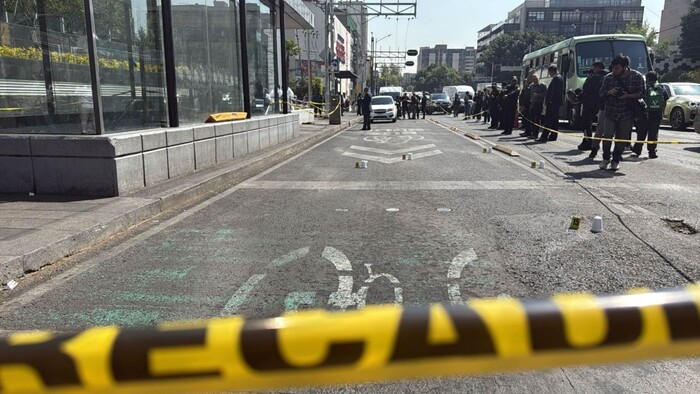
695	115
440	103
383	108
683	98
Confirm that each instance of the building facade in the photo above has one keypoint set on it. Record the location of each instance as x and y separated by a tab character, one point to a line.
566	18
671	16
460	59
110	70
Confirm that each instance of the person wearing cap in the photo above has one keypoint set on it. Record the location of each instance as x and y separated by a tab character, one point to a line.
591	104
510	103
555	96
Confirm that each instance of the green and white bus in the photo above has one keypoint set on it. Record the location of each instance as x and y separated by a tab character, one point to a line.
576	55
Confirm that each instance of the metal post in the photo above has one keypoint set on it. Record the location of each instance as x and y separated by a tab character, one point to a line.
285	62
330	39
130	48
371	68
94	66
46	58
244	55
169	55
595	24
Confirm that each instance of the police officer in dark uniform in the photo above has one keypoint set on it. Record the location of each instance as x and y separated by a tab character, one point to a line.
366	108
510	103
591	103
555	95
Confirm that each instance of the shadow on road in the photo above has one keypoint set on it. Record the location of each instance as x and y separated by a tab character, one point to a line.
573	152
693	149
594	174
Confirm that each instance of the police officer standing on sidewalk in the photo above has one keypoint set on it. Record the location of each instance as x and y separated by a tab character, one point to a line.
510	103
591	103
655	99
493	107
524	102
366	108
555	95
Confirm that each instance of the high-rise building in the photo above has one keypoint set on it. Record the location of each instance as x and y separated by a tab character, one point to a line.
671	16
461	59
566	18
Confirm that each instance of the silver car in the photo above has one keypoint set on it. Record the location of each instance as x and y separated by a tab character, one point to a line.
684	97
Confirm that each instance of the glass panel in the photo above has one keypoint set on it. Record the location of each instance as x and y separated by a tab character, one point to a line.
44	73
129	50
589	52
262	67
636	51
207	58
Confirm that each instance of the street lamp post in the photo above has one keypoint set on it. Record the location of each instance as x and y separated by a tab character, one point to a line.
374	60
595	19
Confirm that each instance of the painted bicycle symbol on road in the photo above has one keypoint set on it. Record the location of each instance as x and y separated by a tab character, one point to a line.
346	296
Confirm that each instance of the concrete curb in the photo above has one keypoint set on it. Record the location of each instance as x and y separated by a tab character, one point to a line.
146	207
506	150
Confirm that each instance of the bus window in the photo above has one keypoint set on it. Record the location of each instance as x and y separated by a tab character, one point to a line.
589	52
636	51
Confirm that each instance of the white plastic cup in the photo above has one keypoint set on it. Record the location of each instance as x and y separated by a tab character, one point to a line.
597	225
363	164
541	164
410	156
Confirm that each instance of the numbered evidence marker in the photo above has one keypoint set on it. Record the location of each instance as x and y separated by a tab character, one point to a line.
575	223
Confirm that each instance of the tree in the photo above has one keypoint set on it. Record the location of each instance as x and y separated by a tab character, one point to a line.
509	49
690	31
433	78
645	30
390	76
291	49
467	78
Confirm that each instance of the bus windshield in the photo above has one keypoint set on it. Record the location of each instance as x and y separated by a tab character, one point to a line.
589	52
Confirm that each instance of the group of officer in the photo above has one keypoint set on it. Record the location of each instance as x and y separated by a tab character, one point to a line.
618	98
412	105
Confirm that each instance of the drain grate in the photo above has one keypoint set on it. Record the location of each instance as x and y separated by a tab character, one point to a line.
680	226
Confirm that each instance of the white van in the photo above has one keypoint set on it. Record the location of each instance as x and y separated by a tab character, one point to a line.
394	91
462	90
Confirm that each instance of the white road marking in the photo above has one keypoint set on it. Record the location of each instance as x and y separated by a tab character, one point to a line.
344	297
459	262
402	139
402	185
392	151
390	160
239	297
291	256
455	272
338	258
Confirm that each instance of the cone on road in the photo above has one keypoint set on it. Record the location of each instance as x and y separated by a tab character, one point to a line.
597	225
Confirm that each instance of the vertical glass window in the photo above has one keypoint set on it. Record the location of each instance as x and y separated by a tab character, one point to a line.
130	56
206	37
262	64
44	74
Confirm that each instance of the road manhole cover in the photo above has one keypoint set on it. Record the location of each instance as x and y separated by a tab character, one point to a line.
444	209
392	209
680	226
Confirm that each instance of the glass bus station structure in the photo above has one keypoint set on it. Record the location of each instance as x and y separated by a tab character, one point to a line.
91	88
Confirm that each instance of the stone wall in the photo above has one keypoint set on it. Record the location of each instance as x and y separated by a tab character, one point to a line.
115	164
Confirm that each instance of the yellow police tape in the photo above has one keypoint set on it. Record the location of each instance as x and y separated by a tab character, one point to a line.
579	135
477	114
379	343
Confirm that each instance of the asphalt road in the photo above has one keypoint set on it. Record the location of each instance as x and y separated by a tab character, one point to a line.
280	242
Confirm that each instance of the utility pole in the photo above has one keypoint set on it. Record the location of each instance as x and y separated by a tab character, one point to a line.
371	68
330	41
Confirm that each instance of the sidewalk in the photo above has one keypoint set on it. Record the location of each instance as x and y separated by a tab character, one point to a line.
36	231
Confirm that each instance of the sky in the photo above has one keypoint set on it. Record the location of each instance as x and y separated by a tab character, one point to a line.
457	22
